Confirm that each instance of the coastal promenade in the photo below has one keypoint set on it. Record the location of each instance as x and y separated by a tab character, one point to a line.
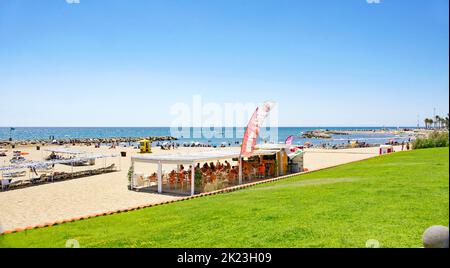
108	192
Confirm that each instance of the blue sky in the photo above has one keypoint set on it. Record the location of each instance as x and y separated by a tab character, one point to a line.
124	63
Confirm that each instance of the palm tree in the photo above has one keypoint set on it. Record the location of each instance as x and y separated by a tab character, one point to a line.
446	123
426	122
442	122
437	119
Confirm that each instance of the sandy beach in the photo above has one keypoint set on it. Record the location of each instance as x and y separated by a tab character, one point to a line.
101	193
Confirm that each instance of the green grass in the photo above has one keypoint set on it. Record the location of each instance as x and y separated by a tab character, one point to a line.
392	199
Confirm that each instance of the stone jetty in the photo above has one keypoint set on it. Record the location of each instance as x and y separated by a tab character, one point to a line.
84	141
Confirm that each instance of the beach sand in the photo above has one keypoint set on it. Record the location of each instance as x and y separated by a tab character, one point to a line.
102	193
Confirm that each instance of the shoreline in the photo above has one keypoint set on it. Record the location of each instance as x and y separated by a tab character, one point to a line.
84	141
326	135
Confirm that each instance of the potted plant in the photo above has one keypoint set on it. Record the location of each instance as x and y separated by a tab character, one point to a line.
130	176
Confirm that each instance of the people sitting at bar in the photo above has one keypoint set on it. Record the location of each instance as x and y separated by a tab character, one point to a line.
223	172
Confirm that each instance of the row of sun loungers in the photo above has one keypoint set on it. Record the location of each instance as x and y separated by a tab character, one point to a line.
9	183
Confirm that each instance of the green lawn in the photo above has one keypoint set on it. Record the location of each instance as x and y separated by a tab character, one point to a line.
392	199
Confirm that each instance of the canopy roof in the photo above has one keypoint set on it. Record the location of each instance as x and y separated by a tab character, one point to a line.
273	146
195	157
186	158
265	152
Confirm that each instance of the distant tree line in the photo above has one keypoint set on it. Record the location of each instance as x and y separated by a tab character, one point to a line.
437	122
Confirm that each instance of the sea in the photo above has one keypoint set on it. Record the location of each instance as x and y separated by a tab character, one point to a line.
216	137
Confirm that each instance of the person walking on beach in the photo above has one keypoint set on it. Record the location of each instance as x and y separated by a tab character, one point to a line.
403	145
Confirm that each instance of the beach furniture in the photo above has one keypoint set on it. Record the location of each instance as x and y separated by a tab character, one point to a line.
138	180
5	183
153	179
14	174
386	149
9	183
173	180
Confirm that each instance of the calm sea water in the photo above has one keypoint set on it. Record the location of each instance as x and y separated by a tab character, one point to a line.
44	133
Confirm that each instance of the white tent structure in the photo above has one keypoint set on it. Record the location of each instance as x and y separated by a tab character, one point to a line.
192	159
187	159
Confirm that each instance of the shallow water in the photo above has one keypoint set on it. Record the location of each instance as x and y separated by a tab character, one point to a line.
223	135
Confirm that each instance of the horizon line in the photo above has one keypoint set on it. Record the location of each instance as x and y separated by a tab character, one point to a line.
391	126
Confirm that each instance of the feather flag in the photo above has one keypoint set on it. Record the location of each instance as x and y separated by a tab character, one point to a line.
289	140
254	125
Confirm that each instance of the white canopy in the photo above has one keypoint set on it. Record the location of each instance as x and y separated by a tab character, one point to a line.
273	146
193	158
186	158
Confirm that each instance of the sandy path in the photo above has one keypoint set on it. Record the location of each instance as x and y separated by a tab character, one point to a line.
323	158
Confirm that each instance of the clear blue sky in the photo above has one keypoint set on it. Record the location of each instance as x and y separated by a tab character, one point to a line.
124	63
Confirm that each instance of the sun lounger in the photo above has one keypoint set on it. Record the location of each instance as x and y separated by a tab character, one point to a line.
5	183
16	174
43	178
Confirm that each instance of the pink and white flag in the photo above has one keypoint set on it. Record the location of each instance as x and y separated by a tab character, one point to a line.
289	140
252	131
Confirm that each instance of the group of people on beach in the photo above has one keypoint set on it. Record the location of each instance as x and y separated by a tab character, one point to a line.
407	146
213	172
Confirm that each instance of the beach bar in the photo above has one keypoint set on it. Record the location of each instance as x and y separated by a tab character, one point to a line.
264	162
180	159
